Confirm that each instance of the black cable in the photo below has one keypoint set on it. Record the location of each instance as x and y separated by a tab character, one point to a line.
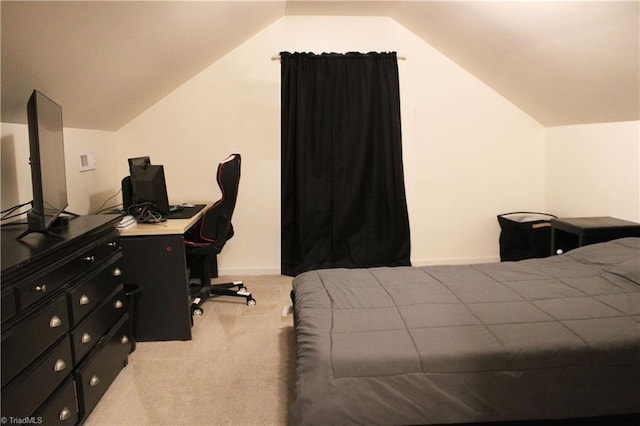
15	207
99	209
8	213
144	213
110	209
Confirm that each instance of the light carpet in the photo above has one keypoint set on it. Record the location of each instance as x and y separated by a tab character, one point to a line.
239	368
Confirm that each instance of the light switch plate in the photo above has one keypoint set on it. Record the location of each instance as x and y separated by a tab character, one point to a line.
87	162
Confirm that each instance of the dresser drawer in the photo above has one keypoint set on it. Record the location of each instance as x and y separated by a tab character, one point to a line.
9	304
89	332
104	248
36	288
22	344
89	294
61	408
30	389
100	369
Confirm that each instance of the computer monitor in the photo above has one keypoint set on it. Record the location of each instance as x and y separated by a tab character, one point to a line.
149	186
127	190
139	162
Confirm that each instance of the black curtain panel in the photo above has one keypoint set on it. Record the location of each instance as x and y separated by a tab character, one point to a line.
343	196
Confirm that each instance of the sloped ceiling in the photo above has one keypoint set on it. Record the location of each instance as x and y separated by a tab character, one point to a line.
106	61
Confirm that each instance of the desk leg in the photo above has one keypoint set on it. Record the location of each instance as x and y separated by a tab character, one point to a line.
157	263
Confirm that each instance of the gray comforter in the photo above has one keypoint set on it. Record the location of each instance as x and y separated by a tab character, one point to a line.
536	339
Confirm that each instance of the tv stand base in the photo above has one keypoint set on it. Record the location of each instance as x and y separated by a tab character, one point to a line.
61	222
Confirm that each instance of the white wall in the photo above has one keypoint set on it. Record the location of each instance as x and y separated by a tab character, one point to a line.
594	170
16	174
86	191
469	154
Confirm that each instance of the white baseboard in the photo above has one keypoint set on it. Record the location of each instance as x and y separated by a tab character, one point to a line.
455	261
251	271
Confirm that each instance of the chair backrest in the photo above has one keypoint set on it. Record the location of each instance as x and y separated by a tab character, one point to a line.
215	226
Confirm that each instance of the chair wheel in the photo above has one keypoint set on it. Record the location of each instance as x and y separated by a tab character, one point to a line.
197	312
251	302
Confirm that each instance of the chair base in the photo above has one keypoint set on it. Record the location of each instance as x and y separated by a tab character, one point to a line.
233	289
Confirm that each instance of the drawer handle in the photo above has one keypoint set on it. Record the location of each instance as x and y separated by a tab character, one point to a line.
116	272
94	381
84	299
86	338
89	258
64	414
55	322
118	304
124	340
40	288
112	244
59	365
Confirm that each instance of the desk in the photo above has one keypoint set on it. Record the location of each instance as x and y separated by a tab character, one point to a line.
154	257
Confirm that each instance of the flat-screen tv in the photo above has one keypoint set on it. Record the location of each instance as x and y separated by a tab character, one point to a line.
46	157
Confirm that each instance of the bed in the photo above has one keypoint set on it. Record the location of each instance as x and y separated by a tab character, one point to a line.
551	338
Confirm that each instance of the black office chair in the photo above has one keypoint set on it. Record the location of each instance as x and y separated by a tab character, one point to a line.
208	236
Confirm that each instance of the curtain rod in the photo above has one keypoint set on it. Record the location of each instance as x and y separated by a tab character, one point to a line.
400	57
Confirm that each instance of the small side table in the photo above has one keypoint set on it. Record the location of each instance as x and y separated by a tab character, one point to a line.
572	232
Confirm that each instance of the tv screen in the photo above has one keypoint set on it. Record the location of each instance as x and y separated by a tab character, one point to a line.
149	186
46	150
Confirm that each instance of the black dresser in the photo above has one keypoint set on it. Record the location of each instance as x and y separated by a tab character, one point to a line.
65	327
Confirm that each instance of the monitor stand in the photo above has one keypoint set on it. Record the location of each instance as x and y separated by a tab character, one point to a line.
59	222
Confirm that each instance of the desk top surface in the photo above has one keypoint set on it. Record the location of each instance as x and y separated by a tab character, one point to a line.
605	222
168	227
